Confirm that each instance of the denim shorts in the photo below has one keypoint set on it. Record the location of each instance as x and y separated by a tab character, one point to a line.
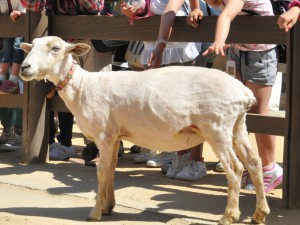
259	67
11	51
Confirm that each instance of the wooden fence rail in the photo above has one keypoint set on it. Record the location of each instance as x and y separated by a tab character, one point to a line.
244	29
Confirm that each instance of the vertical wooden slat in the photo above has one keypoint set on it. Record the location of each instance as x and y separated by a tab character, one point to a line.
35	111
291	190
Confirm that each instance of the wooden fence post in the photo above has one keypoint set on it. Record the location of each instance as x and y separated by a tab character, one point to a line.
291	190
36	109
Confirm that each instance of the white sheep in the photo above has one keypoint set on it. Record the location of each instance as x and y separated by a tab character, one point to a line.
166	109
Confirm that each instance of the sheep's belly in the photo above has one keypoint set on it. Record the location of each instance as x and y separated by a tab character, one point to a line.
162	142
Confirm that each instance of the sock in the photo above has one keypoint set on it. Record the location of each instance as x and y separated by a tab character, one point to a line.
268	168
2	77
14	78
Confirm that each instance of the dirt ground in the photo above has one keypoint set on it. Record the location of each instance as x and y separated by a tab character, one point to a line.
62	193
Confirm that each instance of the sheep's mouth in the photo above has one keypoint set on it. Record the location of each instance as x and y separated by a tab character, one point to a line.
26	77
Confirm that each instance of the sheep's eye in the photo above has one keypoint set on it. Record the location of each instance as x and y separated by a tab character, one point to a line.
55	49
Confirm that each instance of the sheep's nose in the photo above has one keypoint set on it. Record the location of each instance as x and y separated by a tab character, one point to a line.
24	66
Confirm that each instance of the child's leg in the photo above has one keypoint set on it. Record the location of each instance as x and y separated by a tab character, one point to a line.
18	57
259	70
196	153
4	70
265	143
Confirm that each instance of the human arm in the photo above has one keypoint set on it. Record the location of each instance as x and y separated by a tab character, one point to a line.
165	29
288	19
230	11
195	15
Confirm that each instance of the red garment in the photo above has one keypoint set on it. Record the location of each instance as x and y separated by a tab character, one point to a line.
295	3
65	7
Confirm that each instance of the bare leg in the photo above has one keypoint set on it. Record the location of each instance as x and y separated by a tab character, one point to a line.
4	68
265	143
197	152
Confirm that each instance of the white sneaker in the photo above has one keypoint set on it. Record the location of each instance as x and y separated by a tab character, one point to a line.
14	143
161	159
61	152
192	171
5	135
219	167
164	168
177	164
144	155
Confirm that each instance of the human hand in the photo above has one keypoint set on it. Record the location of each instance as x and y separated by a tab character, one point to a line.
128	10
288	19
194	16
156	56
51	93
217	47
14	15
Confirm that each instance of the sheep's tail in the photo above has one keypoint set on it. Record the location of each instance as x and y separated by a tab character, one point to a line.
251	100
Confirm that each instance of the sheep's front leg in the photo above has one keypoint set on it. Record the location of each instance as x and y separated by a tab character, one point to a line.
110	193
103	170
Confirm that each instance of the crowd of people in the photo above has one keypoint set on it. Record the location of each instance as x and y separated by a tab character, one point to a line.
250	61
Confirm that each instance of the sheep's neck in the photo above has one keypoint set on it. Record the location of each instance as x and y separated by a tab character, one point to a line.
68	77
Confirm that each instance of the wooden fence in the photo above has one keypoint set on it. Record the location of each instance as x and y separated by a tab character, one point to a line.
244	29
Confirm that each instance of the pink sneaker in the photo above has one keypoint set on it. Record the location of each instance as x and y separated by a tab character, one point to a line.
9	87
272	179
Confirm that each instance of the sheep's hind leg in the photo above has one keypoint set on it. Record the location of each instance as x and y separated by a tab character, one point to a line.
252	162
233	169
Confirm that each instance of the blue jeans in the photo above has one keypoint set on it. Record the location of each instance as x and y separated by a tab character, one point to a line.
11	51
11	117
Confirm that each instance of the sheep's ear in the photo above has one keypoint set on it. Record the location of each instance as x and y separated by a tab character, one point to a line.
26	47
78	49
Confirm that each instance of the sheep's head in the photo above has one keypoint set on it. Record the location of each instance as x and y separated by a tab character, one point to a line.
46	56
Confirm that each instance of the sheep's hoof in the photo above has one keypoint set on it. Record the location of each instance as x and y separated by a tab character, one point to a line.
108	210
224	221
94	216
255	222
259	216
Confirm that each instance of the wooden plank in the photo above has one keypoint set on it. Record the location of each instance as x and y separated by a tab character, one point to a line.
263	124
118	28
11	101
12	29
291	196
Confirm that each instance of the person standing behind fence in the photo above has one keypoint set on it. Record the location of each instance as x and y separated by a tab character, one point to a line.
172	53
11	55
92	61
256	67
188	164
288	19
